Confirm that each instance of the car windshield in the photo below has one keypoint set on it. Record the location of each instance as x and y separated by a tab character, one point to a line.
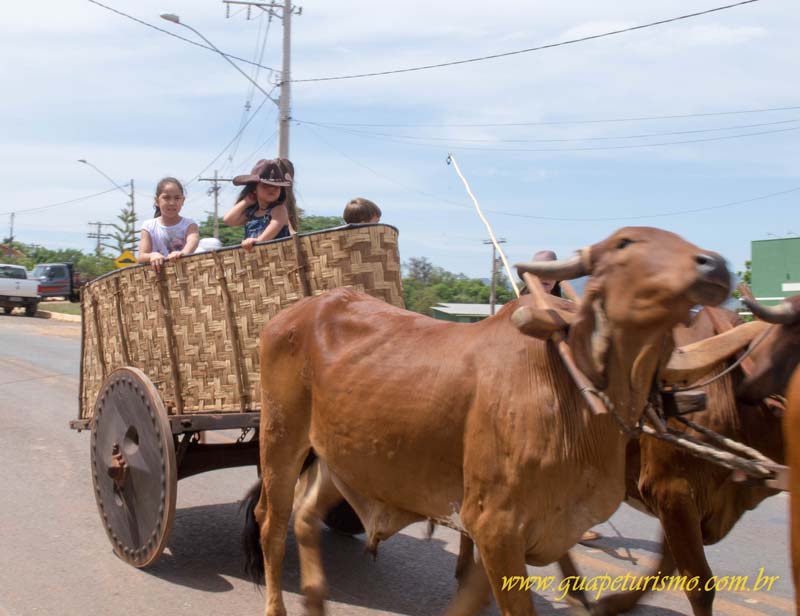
39	271
11	272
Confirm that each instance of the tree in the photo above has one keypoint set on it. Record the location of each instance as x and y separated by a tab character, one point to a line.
87	266
229	236
745	277
124	235
426	285
318	223
232	236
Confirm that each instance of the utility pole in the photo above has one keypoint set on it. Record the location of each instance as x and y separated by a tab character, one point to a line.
99	235
284	13
133	207
214	190
493	294
10	247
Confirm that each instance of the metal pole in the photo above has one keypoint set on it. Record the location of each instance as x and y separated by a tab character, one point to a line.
10	247
493	285
133	207
493	296
216	205
215	191
284	101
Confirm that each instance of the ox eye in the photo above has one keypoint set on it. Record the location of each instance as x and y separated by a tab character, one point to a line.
623	243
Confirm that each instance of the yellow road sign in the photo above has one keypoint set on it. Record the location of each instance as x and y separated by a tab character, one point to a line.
126	259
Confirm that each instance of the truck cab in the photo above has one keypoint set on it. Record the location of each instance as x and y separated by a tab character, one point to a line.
16	291
56	280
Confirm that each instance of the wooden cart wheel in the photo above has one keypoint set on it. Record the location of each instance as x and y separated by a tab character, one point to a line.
133	466
344	520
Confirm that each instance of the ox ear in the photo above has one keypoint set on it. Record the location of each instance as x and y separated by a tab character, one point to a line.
693	361
589	337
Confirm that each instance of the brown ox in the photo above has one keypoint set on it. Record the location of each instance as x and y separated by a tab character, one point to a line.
773	373
695	501
476	425
792	434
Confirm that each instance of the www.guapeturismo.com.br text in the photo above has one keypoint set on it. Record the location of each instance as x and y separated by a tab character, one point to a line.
601	584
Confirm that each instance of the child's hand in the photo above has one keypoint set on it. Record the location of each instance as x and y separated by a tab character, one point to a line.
175	254
249	243
156	260
250	198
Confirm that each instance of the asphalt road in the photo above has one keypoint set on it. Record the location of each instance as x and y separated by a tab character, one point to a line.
55	558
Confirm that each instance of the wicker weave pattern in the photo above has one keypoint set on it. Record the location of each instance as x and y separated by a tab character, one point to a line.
125	322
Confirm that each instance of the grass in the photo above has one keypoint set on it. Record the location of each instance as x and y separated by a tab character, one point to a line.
62	307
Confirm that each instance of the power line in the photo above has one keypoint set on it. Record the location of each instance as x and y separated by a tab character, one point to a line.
251	90
438	199
562	122
416	138
582	149
232	141
45	207
177	36
661	215
528	50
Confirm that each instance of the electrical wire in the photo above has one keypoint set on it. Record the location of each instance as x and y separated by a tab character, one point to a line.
528	50
45	207
252	89
178	36
231	142
439	199
560	122
581	149
660	215
415	138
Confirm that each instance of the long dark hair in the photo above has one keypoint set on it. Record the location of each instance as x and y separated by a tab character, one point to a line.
291	203
251	188
161	187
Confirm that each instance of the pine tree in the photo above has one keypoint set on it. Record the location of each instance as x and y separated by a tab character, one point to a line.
124	235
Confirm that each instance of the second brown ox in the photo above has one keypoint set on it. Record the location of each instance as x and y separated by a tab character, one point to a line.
695	500
476	426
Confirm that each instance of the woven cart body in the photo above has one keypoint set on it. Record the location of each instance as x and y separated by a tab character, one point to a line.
166	357
194	330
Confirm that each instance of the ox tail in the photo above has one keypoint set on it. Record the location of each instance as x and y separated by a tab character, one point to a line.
251	536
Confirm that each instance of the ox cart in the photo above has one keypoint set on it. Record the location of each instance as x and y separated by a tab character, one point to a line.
166	357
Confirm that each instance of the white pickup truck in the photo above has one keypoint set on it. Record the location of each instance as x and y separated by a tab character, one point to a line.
17	291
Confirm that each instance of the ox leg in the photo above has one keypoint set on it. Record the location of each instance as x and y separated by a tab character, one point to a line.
626	601
474	592
569	570
502	558
283	450
681	523
320	496
466	558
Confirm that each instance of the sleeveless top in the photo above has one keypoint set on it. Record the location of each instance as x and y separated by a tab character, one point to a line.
255	225
167	239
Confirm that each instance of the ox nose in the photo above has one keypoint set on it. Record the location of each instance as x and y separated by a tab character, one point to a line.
711	266
714	283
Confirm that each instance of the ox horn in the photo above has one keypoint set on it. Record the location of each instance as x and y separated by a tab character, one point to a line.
782	314
564	269
691	362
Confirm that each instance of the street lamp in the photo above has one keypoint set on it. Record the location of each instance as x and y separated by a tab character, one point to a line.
86	162
177	20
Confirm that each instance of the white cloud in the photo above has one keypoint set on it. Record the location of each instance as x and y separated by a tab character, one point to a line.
87	83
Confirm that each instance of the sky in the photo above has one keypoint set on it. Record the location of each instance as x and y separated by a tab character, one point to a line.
560	146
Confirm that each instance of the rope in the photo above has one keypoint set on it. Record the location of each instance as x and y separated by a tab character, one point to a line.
725	441
710	453
452	159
